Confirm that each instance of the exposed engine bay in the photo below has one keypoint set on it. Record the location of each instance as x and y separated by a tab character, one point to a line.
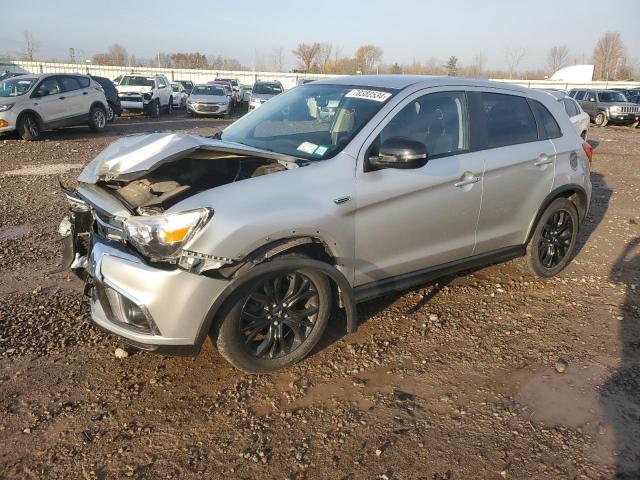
171	182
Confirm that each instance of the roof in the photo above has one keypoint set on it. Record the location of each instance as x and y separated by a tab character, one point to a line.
399	82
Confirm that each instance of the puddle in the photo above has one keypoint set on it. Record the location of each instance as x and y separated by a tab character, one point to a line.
587	397
13	233
39	170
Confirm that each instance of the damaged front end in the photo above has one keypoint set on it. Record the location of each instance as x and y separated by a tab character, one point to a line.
124	239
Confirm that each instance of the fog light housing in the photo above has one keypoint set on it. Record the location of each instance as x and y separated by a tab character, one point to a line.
4	123
128	313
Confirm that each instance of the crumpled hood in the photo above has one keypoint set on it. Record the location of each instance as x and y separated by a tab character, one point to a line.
131	157
133	89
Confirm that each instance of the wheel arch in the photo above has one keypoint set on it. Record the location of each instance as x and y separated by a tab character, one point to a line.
30	112
273	264
573	192
98	103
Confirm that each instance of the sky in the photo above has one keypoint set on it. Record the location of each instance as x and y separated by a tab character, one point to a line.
406	30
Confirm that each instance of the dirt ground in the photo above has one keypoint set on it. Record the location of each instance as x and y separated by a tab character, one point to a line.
455	380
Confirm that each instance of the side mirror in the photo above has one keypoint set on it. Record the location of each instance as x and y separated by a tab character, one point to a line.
161	85
42	93
400	152
592	99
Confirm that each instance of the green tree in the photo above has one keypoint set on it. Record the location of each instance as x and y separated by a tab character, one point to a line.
452	66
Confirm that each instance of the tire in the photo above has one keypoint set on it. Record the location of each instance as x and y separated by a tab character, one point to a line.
29	128
283	335
97	119
601	119
111	114
635	124
554	239
154	109
583	135
170	106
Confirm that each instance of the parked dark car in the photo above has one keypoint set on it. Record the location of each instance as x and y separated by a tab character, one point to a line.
607	106
113	102
8	74
186	84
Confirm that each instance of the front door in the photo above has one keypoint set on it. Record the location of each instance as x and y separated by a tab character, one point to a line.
48	100
408	220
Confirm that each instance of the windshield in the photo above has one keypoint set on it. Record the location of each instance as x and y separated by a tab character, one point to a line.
311	121
267	89
612	97
16	86
136	81
208	90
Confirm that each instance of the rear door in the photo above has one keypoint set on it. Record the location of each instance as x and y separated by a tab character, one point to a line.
519	167
74	99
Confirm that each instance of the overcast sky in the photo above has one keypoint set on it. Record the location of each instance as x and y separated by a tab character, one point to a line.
405	29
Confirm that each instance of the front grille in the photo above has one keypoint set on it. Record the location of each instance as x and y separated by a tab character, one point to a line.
206	108
629	109
130	99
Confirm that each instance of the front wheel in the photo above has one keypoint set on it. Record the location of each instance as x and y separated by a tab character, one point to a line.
554	239
154	109
111	114
275	320
601	119
29	128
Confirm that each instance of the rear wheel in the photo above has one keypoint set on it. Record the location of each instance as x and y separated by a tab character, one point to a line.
601	119
29	128
275	321
554	239
170	106
97	118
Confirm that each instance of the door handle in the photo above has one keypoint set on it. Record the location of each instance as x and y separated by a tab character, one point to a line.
468	180
543	159
85	93
62	98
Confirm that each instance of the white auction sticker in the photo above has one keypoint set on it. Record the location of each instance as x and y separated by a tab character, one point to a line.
374	95
307	147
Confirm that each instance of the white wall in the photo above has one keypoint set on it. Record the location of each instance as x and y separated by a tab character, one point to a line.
288	80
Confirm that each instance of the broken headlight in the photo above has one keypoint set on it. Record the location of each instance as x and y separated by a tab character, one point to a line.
161	237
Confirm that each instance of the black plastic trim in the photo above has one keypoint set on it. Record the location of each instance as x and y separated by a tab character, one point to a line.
405	281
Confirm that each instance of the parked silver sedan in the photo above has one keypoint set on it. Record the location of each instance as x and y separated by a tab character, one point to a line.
330	194
208	99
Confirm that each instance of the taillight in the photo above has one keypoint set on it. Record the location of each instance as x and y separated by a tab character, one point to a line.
588	150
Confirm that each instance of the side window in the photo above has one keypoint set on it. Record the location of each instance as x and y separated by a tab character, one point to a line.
509	120
570	107
580	95
50	85
84	82
70	84
438	120
550	127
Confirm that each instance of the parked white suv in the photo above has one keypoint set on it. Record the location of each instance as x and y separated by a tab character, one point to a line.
30	104
145	93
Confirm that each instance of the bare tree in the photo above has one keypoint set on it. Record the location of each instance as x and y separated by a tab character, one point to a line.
258	61
452	66
367	56
31	45
477	65
277	59
609	57
558	57
307	54
324	57
116	55
513	58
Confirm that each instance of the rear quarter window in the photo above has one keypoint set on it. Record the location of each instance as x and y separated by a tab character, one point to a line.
84	81
549	128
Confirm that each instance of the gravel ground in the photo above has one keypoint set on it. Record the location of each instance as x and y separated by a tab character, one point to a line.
456	380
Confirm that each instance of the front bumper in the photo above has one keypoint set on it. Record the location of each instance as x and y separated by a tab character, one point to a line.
8	121
623	118
175	302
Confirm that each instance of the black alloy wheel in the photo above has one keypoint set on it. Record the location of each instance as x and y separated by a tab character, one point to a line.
279	315
555	240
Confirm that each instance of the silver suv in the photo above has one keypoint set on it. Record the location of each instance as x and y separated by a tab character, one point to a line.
328	195
30	104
